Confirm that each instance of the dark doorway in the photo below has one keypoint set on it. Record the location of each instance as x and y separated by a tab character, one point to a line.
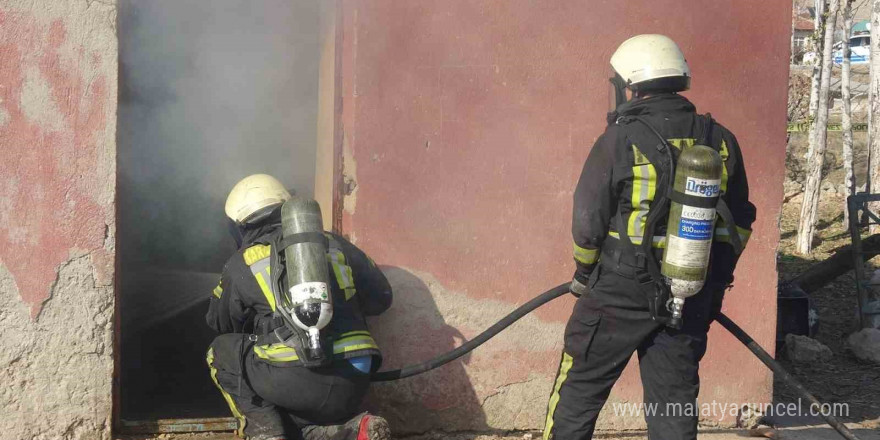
210	92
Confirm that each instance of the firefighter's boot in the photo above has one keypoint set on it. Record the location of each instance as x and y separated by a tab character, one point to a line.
364	426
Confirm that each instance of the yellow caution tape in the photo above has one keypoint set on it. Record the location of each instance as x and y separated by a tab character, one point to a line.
796	127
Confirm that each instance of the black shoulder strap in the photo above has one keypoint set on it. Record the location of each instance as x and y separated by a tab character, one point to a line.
705	131
658	151
724	212
721	207
286	332
303	237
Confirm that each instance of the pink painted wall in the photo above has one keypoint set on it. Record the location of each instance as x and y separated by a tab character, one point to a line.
57	221
465	126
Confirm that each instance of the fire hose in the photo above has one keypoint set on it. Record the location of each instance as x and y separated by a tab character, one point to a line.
562	289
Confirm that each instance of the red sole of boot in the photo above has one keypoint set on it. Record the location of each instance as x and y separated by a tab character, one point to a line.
363	429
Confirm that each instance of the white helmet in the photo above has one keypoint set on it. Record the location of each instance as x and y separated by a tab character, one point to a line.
249	199
643	59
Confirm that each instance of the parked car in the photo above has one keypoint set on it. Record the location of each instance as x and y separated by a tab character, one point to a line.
860	50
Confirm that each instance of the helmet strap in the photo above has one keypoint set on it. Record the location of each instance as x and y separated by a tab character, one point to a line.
619	90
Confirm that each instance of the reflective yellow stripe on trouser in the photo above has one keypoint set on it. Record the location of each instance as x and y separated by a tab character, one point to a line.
235	412
564	366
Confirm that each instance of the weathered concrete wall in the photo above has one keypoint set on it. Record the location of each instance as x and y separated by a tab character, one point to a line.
466	124
57	222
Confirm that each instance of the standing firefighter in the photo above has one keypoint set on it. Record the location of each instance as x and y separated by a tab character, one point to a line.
294	356
652	184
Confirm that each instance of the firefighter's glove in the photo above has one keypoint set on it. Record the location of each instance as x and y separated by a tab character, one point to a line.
579	285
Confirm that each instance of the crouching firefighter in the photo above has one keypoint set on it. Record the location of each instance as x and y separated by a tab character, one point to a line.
661	213
295	355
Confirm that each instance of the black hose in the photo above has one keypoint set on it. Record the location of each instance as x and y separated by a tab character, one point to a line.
412	370
562	289
784	375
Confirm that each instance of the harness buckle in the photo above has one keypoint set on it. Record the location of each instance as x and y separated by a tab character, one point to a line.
641	260
643	277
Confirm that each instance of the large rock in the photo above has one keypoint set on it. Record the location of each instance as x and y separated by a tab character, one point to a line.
803	349
865	344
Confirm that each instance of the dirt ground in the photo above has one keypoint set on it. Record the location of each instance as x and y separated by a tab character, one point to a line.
843	379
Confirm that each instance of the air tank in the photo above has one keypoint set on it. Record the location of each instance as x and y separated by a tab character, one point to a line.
307	301
691	225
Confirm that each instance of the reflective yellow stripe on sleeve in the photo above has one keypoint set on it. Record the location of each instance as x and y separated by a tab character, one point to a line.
585	256
218	291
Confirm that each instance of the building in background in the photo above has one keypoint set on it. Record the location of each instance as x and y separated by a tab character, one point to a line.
803	27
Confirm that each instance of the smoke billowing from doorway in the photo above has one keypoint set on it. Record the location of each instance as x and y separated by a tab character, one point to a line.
210	91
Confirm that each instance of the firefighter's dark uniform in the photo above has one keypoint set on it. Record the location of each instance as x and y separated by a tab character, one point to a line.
264	383
619	182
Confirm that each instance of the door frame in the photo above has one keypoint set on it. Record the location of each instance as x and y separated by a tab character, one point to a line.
328	193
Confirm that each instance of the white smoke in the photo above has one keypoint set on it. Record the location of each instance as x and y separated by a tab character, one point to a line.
210	91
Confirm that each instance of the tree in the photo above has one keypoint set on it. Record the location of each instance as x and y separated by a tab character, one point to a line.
849	181
818	138
873	175
816	40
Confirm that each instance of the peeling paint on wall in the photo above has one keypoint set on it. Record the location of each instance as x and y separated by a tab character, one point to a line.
57	221
58	141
